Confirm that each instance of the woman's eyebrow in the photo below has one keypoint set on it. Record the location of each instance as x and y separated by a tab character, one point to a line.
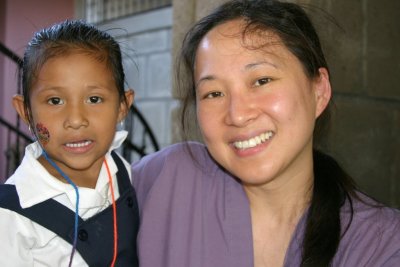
260	63
246	68
204	78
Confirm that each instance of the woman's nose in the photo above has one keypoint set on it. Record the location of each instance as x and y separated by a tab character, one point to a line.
241	109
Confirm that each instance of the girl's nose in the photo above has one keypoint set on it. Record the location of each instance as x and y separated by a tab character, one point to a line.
76	117
242	109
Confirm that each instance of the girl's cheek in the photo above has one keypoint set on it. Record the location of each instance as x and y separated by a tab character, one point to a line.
43	134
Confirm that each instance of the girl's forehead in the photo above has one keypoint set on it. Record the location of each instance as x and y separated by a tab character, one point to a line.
74	70
87	54
62	60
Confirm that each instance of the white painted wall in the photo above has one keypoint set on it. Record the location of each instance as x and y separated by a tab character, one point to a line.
145	40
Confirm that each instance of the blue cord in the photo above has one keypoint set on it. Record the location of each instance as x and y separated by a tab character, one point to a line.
76	206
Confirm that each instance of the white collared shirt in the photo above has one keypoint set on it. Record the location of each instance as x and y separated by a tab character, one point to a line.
26	243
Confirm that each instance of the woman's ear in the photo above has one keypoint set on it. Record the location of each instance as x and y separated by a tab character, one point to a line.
125	105
322	91
18	103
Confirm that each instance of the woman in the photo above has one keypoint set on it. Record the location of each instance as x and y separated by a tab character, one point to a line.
257	193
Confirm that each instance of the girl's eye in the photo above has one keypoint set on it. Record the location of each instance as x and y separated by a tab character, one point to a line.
95	100
55	101
262	81
214	95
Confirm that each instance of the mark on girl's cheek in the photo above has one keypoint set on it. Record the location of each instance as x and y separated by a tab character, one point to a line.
43	134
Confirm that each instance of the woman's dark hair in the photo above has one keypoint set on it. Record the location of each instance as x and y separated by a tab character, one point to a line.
62	39
332	186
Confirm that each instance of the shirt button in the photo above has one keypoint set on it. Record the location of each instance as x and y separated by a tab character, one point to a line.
129	201
83	235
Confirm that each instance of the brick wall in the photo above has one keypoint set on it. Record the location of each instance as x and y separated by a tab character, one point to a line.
364	60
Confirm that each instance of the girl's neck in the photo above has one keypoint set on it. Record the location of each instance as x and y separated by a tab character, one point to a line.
81	178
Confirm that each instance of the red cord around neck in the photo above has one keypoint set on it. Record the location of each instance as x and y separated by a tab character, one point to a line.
114	207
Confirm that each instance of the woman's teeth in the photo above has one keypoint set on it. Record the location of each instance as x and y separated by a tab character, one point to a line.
78	144
252	142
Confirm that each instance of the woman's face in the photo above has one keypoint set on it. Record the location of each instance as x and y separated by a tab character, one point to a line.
256	107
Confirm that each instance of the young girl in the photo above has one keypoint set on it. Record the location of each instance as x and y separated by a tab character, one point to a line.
70	202
257	193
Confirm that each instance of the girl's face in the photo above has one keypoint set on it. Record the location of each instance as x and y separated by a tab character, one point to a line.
75	107
256	107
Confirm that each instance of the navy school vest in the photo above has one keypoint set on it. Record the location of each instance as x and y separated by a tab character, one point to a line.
95	235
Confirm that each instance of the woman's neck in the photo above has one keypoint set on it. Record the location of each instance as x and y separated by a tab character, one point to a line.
282	203
275	213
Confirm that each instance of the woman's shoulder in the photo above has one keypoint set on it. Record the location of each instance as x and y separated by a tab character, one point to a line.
369	211
171	157
182	163
373	236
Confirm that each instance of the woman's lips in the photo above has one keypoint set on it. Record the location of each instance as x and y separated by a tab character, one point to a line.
254	141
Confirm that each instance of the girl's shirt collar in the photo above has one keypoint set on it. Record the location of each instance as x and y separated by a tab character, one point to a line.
34	184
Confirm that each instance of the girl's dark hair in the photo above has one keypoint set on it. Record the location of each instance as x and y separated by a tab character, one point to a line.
332	186
68	37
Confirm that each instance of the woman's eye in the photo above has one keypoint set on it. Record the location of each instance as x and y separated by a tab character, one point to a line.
55	101
262	81
214	95
95	100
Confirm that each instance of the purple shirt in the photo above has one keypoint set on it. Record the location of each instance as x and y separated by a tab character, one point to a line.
194	214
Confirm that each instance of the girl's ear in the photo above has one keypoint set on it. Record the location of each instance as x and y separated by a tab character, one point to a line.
323	91
18	103
124	106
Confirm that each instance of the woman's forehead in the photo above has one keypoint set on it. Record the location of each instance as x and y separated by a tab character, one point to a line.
233	38
253	37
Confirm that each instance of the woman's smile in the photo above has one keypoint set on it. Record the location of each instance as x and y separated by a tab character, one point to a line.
254	141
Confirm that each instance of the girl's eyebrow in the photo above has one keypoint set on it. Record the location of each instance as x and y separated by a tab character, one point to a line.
49	88
98	87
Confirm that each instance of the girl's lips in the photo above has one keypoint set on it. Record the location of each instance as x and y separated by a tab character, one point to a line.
79	146
79	143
